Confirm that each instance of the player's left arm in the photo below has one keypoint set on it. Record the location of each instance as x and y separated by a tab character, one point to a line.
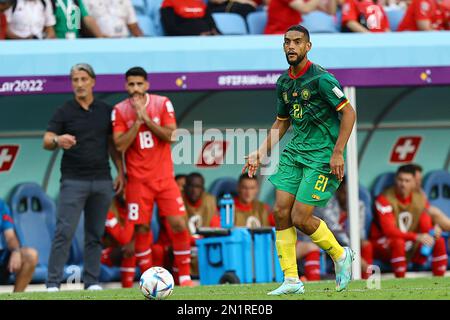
330	91
337	158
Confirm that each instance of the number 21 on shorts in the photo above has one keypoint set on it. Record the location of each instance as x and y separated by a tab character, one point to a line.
321	183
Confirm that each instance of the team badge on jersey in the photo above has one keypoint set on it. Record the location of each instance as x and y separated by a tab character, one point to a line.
306	94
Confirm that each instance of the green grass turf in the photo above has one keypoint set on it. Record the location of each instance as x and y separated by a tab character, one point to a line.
418	288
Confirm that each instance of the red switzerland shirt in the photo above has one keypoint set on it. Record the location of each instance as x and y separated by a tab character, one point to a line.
421	10
147	158
372	15
280	16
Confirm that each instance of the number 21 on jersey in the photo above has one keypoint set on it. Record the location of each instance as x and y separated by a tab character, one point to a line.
146	140
298	110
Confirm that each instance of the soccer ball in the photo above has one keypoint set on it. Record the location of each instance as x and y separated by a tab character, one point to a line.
156	283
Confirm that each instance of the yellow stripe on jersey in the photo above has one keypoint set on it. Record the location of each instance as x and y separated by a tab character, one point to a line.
282	119
342	105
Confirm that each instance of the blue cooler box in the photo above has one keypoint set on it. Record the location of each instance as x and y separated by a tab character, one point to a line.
240	255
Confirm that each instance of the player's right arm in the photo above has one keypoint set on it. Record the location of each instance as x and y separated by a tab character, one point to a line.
386	219
54	137
122	136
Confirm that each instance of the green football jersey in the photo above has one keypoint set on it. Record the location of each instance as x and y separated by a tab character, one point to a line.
312	100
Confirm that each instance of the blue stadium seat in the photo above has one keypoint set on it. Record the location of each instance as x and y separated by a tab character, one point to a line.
34	218
256	22
222	186
230	23
319	22
153	7
437	187
147	26
339	20
383	181
395	16
140	6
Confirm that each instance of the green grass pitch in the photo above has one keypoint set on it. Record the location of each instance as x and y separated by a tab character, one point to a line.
406	289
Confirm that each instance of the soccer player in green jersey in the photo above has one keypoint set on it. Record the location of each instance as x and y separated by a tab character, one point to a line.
312	164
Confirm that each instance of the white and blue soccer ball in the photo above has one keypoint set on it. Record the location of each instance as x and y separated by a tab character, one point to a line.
156	283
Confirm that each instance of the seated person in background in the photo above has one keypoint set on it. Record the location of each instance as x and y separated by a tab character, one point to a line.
249	212
187	18
242	7
335	215
201	210
200	205
118	241
425	15
441	221
13	258
364	16
116	18
31	19
4	5
401	225
282	14
180	179
76	10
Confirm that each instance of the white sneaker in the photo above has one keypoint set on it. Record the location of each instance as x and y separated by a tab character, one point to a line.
52	289
94	287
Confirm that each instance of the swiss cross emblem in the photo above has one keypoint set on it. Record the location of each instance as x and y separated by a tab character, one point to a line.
405	149
212	154
8	154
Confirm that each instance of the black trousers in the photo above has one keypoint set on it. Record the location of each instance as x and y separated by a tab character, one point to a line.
94	198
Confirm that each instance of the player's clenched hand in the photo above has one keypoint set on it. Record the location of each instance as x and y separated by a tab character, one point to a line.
66	141
252	163
138	102
426	239
337	165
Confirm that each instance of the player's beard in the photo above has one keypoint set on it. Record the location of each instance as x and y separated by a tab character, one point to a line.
297	61
137	94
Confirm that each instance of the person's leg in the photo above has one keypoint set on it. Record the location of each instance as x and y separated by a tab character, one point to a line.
171	206
311	253
398	256
72	198
140	200
25	274
366	258
315	190
95	213
143	239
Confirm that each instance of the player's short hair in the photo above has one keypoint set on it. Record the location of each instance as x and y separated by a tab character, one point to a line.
83	67
194	175
180	176
407	168
300	29
245	176
136	72
417	167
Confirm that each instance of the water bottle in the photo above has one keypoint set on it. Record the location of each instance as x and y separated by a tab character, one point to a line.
427	250
226	205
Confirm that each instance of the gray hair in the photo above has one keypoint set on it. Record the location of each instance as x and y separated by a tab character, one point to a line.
83	67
